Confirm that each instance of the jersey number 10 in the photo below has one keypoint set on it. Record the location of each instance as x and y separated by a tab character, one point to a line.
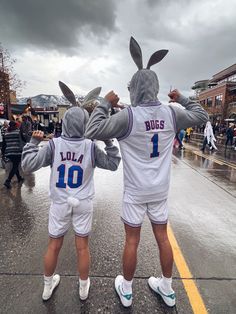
72	171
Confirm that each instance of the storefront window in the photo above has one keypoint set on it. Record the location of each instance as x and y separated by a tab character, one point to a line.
218	100
209	101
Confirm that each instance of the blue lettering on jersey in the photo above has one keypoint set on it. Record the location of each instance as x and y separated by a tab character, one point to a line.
71	156
154	125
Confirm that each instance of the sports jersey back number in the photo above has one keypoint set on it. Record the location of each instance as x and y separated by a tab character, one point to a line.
154	140
71	176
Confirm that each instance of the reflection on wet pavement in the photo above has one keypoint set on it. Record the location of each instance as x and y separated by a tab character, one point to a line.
218	171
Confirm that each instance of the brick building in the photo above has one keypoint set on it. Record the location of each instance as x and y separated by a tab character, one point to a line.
218	95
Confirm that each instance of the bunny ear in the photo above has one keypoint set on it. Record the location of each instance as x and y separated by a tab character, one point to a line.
93	94
136	53
156	57
68	93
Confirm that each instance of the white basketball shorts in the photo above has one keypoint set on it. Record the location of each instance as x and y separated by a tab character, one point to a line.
133	214
62	215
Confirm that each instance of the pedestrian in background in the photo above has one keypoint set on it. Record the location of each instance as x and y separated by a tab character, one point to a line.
188	133
229	135
58	128
26	129
209	138
12	149
180	135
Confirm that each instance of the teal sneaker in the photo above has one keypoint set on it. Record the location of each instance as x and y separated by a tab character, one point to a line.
154	284
126	299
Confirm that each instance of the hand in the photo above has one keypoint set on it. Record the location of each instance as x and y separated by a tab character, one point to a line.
38	135
112	98
174	95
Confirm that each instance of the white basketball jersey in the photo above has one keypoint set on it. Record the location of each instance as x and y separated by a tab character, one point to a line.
72	169
146	150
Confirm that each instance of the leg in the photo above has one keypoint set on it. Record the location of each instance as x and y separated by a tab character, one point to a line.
13	169
51	281
162	286
17	163
226	143
130	251
51	256
123	285
132	216
83	256
83	261
166	254
204	144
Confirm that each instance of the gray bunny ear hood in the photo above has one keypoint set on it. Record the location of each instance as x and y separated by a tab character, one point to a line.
144	87
74	122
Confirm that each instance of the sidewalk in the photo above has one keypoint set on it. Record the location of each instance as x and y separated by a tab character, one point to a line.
228	155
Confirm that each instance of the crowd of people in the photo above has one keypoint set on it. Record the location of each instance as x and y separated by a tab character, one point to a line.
16	133
210	135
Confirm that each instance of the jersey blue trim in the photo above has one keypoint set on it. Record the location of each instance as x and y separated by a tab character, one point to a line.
130	224
72	139
151	104
174	118
156	222
93	154
130	125
52	146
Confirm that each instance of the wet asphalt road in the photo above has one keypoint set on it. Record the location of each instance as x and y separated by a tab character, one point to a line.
202	215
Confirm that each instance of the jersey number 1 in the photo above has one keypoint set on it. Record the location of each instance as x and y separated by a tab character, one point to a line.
71	176
154	140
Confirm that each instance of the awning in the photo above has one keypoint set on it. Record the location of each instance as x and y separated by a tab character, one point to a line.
19	108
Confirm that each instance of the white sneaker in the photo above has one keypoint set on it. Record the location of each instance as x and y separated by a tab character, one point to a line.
154	284
49	288
126	299
84	290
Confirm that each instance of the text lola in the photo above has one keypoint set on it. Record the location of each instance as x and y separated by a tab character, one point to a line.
71	156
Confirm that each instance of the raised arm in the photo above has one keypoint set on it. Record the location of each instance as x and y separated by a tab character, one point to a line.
110	160
34	158
192	115
101	126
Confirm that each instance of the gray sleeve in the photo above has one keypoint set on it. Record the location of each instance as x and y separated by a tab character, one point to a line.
109	160
103	127
192	115
33	157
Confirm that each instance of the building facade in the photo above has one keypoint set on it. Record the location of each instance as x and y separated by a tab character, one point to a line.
219	95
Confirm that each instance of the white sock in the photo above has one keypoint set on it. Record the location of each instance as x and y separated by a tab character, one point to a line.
48	279
127	286
83	283
166	284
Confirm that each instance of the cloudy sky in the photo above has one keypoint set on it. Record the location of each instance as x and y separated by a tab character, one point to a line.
85	43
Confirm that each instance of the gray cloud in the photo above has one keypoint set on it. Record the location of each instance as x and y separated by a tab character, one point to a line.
56	24
200	37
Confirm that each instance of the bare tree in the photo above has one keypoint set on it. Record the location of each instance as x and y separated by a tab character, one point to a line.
7	66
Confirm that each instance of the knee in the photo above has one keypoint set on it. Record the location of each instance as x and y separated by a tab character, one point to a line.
82	246
55	245
132	242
